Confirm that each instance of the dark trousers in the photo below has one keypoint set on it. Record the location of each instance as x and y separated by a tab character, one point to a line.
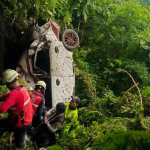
36	121
19	133
42	134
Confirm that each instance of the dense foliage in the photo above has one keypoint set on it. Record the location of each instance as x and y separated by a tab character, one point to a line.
111	65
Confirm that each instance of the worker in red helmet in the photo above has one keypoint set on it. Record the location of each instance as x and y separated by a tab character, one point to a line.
38	102
17	103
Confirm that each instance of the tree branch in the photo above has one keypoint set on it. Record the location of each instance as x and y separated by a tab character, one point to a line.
90	142
130	89
134	83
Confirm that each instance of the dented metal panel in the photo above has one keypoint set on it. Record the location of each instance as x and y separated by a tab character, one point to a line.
22	63
23	71
61	60
63	91
62	74
50	35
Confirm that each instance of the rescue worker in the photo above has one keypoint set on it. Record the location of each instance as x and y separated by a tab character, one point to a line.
71	114
53	120
38	102
19	107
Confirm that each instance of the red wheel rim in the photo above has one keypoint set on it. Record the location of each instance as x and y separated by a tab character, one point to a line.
70	39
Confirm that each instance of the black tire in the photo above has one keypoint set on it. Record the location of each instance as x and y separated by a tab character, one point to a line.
70	39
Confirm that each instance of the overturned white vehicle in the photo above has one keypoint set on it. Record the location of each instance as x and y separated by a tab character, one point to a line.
49	59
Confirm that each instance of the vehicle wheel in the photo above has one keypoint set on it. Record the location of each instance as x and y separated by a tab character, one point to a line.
70	39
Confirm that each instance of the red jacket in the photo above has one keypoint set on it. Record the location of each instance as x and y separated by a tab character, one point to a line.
17	100
35	100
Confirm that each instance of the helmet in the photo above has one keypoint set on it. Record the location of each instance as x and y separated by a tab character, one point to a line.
41	83
76	99
9	75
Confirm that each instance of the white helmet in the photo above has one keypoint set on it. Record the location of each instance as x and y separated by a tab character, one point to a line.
41	83
9	75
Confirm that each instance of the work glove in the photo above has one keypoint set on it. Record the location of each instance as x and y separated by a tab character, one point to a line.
41	118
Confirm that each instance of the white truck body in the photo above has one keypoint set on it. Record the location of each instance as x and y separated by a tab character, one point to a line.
61	72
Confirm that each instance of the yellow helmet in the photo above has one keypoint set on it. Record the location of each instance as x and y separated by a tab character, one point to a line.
41	83
9	75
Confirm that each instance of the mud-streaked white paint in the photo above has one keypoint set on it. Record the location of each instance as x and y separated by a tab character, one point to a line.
62	92
61	66
24	72
61	61
22	62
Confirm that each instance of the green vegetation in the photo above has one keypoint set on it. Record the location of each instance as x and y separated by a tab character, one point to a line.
111	65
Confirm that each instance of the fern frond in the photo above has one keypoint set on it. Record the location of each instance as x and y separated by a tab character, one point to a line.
123	140
55	147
